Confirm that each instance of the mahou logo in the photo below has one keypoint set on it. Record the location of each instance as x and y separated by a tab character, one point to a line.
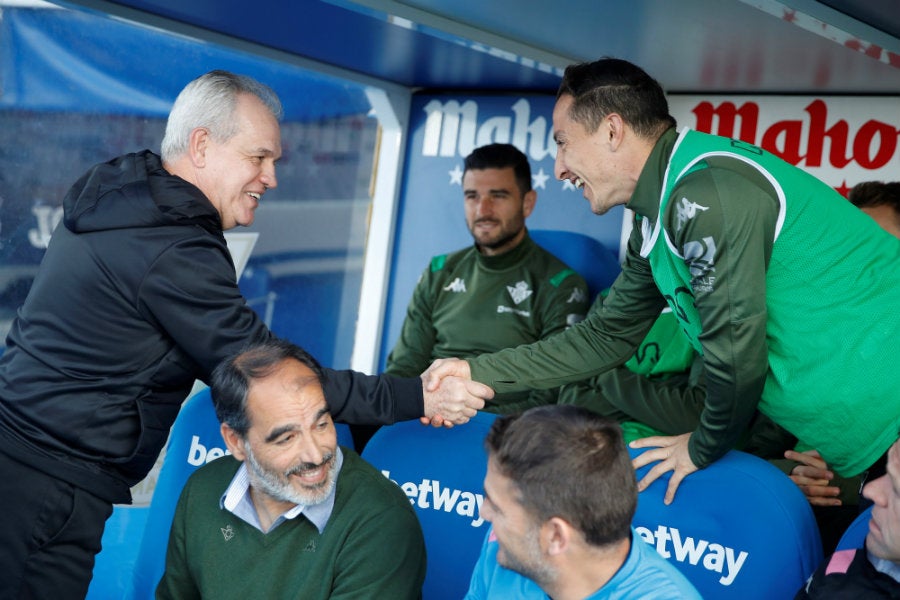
452	129
841	140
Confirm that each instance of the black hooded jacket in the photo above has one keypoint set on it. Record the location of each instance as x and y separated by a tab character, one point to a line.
136	298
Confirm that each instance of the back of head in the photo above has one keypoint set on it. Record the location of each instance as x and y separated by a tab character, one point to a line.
881	201
612	85
231	379
209	102
568	462
876	193
501	156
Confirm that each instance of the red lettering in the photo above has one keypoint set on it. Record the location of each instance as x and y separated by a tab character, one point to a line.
727	114
873	145
839	132
862	144
790	132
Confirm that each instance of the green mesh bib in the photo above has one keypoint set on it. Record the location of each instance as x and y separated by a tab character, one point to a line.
833	304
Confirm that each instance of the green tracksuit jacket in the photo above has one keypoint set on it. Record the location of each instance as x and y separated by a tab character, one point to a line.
467	304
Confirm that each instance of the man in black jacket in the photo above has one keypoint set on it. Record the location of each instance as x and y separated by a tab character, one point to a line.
136	298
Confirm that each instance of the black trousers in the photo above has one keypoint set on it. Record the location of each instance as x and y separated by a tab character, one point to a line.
50	531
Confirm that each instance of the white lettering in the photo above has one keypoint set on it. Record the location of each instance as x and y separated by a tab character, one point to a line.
430	494
451	129
199	455
711	556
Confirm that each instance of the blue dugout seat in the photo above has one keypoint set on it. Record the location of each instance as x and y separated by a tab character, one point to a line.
442	472
855	535
195	440
586	255
739	528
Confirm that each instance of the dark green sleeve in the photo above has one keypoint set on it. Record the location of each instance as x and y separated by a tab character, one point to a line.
563	305
413	351
602	341
728	245
672	404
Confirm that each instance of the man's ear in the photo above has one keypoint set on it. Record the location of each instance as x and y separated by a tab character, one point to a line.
233	441
198	144
613	129
528	202
556	533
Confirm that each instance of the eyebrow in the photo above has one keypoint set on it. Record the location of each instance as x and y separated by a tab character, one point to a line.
490	191
279	431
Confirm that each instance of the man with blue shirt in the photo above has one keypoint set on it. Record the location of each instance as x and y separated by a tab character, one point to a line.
560	493
291	514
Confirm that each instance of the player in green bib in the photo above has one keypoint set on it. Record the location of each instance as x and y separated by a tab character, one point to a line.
789	292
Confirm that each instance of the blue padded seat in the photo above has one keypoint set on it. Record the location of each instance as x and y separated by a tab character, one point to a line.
582	253
739	528
855	535
442	472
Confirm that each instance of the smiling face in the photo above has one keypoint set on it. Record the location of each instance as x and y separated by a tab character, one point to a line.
883	539
496	209
590	161
291	443
518	535
237	172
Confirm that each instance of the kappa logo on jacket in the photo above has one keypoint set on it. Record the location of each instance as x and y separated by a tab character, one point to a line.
520	292
577	295
687	210
458	285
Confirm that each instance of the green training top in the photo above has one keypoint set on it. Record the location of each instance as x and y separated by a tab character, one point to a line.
467	304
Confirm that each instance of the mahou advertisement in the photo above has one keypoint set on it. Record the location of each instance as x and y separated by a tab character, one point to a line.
842	140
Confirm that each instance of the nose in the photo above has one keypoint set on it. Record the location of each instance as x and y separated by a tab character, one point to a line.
268	178
877	489
559	169
484	206
485	512
310	451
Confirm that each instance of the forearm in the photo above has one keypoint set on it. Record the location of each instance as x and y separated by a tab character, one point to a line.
359	399
605	339
670	405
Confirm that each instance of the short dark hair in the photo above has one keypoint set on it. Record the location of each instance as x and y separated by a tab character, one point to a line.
569	462
612	85
501	156
876	193
230	381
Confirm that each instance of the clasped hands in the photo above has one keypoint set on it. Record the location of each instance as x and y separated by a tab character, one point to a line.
451	397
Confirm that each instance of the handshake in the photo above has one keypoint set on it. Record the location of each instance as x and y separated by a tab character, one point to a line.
451	397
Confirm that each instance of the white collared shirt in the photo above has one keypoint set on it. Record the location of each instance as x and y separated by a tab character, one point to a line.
237	501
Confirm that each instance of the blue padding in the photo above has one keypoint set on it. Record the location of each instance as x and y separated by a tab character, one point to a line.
442	471
586	255
855	535
195	440
739	528
114	565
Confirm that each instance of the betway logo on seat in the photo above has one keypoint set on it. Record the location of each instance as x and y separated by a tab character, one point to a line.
198	454
429	493
711	556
